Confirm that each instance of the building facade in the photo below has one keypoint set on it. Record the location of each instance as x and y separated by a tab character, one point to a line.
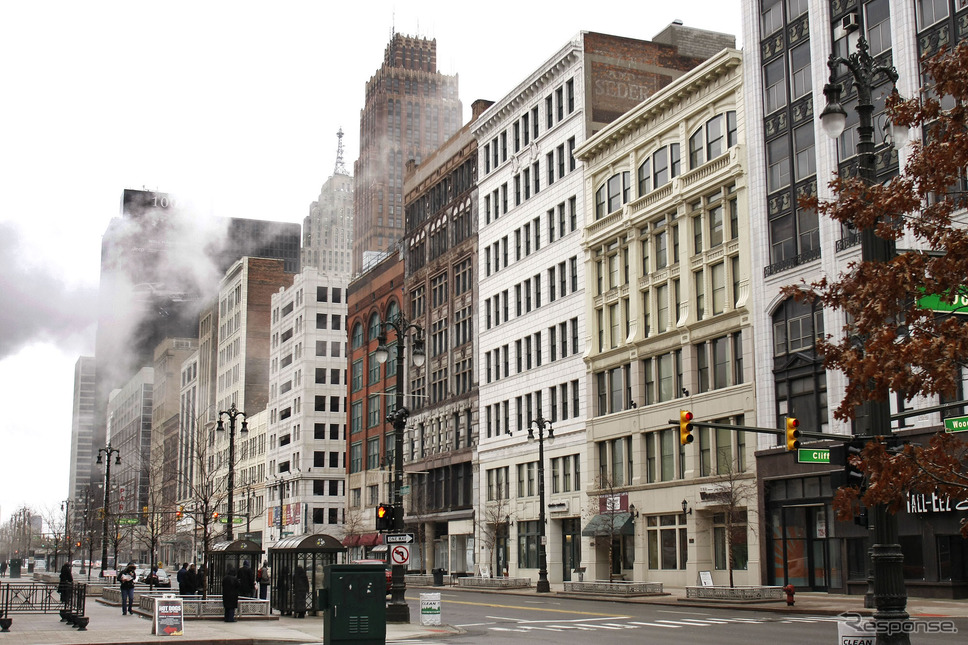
82	426
789	156
328	229
440	251
667	295
306	453
410	109
531	283
373	297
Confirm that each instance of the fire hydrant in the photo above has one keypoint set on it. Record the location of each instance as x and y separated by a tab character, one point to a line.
788	590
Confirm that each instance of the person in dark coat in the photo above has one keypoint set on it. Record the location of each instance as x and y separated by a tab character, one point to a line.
300	587
246	580
282	592
264	580
127	579
66	585
180	578
230	595
191	581
200	580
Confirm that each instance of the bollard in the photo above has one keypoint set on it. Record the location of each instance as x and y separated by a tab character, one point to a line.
430	609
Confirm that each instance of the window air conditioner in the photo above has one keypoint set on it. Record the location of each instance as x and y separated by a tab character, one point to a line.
850	22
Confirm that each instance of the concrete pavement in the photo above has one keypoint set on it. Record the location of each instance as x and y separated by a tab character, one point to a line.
108	626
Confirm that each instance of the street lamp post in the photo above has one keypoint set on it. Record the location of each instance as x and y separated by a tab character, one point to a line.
232	413
397	610
66	507
541	425
889	594
106	452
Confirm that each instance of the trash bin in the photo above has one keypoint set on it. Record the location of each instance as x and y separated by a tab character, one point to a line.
30	566
15	567
438	577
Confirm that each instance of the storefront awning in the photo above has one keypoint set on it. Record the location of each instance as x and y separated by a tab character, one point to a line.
609	524
366	539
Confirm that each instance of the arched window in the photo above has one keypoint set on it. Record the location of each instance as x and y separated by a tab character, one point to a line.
357	335
712	139
375	326
612	194
393	310
798	372
659	168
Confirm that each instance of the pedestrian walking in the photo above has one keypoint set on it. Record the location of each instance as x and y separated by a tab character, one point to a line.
230	595
191	580
246	580
180	579
152	578
66	585
264	580
127	589
300	588
3	568
200	580
281	594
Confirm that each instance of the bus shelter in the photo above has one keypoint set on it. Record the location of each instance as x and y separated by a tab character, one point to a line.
224	556
297	565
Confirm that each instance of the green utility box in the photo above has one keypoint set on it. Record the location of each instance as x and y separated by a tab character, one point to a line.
354	603
15	567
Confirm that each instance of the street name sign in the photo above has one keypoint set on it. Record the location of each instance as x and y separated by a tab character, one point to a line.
956	424
813	456
957	304
398	538
127	520
405	489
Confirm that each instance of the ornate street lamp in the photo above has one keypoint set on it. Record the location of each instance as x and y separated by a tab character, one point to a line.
232	413
107	452
889	594
541	425
397	610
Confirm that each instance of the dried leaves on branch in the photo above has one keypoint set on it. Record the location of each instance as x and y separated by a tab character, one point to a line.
890	343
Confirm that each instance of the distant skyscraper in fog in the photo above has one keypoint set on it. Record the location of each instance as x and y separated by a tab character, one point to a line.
411	109
328	229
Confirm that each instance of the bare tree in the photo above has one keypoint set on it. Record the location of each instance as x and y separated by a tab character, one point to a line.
154	517
736	495
493	523
607	503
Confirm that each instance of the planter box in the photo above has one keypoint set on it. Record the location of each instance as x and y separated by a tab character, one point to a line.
751	593
615	588
494	583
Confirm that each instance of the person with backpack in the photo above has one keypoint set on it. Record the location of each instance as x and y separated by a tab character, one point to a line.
264	580
127	589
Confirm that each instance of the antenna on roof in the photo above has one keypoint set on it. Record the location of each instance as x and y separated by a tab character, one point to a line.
340	167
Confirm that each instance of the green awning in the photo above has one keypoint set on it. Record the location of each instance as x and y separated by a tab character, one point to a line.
609	524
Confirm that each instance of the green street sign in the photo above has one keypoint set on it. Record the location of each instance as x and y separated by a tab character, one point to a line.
956	424
224	519
945	303
405	489
813	456
127	520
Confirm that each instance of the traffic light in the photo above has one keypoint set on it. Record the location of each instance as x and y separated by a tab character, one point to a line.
792	433
842	454
215	515
78	544
179	512
384	517
685	427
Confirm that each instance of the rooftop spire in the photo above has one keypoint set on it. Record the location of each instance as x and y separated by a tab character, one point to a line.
340	167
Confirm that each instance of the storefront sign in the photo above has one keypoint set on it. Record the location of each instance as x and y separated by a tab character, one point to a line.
933	503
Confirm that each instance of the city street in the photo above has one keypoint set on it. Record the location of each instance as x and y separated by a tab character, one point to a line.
493	618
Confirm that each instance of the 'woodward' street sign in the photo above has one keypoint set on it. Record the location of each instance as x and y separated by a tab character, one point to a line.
956	424
813	456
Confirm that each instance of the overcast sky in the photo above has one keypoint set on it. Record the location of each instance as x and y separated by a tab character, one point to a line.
233	105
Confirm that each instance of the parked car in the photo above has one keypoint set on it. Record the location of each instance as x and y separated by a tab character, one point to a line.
163	579
389	572
76	563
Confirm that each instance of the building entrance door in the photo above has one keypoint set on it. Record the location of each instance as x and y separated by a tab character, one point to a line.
570	547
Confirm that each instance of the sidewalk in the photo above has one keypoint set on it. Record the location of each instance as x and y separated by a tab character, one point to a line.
108	626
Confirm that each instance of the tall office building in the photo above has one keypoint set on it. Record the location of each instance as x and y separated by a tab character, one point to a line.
410	110
82	426
788	44
328	229
160	262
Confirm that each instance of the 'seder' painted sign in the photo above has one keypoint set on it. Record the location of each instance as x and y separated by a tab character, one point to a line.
813	456
956	424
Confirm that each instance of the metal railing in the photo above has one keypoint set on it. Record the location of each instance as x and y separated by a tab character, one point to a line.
43	598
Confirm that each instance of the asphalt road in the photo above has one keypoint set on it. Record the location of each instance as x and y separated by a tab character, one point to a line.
494	618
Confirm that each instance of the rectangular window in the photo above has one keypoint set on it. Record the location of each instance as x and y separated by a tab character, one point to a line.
778	163
718	280
800	80
878	13
932	11
805	160
774	86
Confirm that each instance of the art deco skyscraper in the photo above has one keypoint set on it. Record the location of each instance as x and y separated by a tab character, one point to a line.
410	110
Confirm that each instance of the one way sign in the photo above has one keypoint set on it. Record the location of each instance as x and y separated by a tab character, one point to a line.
399	538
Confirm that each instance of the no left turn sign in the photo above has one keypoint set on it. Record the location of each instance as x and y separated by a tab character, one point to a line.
400	554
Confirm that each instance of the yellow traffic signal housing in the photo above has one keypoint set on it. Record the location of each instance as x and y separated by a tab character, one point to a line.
384	517
792	433
685	427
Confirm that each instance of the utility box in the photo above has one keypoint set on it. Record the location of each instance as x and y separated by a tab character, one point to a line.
354	605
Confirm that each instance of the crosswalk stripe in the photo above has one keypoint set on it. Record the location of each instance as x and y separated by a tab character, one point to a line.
710	621
655	625
679	622
603	625
617	625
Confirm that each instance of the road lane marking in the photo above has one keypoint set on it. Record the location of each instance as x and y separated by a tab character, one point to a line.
680	622
655	625
558	610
